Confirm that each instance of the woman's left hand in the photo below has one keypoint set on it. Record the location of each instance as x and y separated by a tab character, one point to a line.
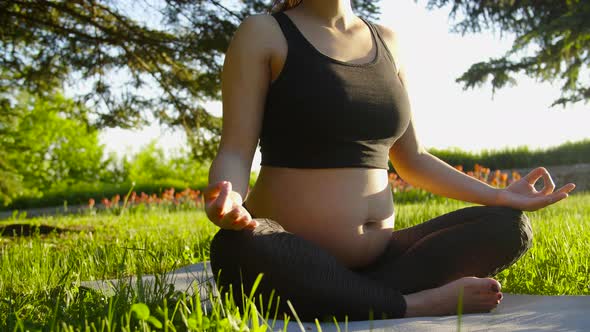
522	194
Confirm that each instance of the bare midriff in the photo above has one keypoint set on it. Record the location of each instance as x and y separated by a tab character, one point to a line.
347	211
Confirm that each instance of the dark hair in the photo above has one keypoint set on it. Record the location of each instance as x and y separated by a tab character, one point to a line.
282	5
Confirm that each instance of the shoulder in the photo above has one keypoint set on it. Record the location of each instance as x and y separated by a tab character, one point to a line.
257	21
390	38
386	31
258	26
259	31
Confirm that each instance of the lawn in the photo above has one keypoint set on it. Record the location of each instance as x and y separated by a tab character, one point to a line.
40	274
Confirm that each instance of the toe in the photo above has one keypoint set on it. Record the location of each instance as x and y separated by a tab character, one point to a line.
485	285
495	286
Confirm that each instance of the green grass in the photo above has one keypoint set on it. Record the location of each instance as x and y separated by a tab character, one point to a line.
40	275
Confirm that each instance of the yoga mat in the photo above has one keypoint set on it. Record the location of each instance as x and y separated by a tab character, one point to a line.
515	313
188	279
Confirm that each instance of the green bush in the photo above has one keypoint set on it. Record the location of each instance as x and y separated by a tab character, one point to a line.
80	193
46	140
150	169
518	157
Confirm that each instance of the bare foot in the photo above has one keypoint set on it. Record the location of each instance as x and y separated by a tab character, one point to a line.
479	295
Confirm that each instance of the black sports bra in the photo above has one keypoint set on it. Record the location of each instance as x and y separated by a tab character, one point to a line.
324	113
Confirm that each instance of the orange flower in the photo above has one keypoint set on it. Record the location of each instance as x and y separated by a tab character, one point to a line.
106	202
515	176
459	167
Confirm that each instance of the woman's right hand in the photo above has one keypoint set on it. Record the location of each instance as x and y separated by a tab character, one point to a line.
224	207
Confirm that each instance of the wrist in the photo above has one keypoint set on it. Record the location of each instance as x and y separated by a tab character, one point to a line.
501	198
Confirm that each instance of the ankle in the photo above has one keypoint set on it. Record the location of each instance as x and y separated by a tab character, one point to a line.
412	305
420	303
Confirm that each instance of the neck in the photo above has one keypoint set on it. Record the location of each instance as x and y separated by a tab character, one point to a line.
331	13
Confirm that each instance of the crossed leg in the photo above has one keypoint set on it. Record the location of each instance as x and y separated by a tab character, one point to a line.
477	241
299	271
432	261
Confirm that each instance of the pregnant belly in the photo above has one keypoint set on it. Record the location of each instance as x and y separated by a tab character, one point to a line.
347	211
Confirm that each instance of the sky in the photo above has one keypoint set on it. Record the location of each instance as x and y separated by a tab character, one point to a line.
445	115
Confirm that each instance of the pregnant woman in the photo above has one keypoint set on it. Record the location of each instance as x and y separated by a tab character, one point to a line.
325	93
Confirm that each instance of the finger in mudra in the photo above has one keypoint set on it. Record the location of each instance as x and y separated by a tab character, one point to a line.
523	194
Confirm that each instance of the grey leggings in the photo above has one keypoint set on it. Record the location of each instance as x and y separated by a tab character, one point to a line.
475	241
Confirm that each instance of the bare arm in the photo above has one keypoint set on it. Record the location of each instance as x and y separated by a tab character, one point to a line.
421	169
245	80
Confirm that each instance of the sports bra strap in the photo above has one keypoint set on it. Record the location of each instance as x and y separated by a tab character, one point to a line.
295	40
376	31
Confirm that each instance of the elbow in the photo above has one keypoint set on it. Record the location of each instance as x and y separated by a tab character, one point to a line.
233	154
407	165
233	158
403	158
420	152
